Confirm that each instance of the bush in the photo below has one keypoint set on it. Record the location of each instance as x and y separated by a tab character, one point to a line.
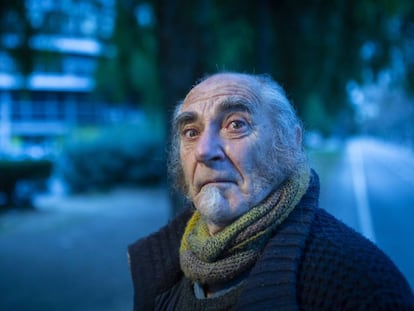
13	171
123	155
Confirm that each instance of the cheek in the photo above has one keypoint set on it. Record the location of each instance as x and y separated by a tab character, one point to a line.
246	160
187	165
258	162
184	163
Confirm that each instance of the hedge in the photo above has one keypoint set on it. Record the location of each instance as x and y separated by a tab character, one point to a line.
125	155
12	171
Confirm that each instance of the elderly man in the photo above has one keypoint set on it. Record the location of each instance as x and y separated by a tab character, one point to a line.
253	237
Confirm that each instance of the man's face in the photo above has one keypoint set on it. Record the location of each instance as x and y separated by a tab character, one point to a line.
225	142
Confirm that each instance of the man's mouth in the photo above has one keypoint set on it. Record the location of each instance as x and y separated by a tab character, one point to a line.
212	182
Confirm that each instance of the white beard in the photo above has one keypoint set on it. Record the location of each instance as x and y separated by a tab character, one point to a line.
212	205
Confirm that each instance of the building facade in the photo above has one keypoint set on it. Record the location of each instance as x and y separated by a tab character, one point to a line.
67	38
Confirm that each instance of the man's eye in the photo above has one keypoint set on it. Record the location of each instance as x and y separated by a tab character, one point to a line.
237	125
190	133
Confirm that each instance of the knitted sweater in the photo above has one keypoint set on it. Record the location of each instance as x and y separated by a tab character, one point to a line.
313	262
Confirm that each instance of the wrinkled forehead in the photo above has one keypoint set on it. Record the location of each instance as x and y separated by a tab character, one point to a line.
223	88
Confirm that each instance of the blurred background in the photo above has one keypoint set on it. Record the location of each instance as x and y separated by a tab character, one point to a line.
87	88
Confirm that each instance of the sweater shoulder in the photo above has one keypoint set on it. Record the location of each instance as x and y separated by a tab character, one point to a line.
349	270
171	232
154	261
334	236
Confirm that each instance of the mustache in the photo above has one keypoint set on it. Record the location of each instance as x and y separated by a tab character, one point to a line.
216	178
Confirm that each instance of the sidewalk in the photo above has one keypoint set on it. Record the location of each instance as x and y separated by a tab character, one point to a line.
70	254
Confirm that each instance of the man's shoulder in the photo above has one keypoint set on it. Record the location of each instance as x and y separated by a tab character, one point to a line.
154	261
171	233
348	266
333	235
336	233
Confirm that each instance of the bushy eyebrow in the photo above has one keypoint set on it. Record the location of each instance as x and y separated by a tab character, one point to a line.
185	118
225	107
233	105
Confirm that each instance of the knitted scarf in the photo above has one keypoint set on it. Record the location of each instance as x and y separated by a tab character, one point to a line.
226	255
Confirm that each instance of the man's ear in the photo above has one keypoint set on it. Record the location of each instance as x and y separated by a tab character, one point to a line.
298	135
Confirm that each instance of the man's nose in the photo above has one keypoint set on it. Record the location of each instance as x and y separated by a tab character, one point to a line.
209	147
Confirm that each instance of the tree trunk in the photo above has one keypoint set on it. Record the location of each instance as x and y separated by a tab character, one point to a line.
181	57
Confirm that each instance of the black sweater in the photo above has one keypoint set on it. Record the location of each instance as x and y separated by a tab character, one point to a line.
313	262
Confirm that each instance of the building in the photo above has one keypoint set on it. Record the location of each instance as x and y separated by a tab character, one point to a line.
67	40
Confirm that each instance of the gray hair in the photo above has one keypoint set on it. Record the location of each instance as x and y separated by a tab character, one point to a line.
286	152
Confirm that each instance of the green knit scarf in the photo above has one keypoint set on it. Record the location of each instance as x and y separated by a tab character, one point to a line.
226	255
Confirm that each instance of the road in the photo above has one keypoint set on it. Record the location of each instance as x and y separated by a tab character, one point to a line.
71	254
370	186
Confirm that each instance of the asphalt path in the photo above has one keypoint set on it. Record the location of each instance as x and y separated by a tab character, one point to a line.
370	186
71	254
389	175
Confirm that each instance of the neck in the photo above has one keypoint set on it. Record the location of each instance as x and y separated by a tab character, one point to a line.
214	229
211	290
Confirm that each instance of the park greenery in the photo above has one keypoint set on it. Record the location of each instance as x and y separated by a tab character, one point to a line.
13	171
120	155
325	53
313	48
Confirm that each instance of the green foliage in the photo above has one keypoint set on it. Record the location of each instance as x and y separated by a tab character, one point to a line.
324	161
123	155
132	75
316	117
309	46
233	47
144	77
12	171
